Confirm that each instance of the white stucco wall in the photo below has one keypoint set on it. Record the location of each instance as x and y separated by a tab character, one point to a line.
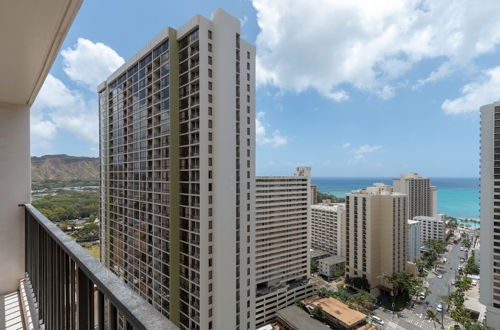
15	181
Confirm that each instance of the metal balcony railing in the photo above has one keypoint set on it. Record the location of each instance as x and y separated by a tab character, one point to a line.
73	290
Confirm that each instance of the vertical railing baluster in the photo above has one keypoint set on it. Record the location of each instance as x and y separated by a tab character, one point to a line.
71	292
83	301
50	279
112	319
100	310
44	275
67	301
72	277
91	304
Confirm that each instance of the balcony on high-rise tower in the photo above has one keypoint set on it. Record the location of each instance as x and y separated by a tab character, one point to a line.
47	281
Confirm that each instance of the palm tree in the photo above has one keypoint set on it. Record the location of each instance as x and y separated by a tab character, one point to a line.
448	300
461	315
431	315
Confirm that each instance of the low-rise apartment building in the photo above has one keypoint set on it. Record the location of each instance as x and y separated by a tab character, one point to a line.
431	228
330	266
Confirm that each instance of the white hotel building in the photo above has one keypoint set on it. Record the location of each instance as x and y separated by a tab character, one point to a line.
282	242
431	228
177	145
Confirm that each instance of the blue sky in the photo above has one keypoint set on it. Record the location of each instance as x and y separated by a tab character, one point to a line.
349	88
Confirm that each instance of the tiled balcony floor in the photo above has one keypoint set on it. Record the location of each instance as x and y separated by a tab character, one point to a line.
10	312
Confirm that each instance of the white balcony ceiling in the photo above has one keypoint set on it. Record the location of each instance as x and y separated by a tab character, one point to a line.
31	33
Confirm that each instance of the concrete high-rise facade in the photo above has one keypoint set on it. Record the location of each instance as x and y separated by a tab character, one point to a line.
490	213
375	234
422	197
314	194
414	240
326	227
177	144
282	242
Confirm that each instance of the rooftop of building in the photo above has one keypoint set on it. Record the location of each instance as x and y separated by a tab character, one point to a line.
299	319
328	206
407	176
427	218
332	260
378	189
336	309
317	253
411	222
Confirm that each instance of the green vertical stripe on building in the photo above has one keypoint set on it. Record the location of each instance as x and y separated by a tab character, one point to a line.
174	178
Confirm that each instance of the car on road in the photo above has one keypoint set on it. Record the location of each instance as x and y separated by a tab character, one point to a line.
453	282
439	308
377	320
439	276
474	282
462	259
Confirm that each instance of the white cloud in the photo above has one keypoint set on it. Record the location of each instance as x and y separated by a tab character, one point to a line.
275	139
365	149
58	107
42	129
359	153
90	63
326	44
476	94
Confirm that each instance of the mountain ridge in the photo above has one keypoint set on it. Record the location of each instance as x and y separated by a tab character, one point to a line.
64	167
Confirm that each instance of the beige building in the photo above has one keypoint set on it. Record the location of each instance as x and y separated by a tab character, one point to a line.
422	197
490	213
177	137
326	227
375	234
282	241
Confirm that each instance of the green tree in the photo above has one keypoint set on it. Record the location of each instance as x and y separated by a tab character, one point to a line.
448	300
405	283
363	300
89	231
460	315
437	246
318	313
477	326
358	282
471	267
314	266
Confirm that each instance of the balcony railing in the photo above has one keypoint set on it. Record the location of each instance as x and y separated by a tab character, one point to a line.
73	290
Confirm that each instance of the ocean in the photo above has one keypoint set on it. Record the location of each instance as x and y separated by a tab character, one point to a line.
457	197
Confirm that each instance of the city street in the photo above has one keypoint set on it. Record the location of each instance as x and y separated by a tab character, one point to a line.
416	317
